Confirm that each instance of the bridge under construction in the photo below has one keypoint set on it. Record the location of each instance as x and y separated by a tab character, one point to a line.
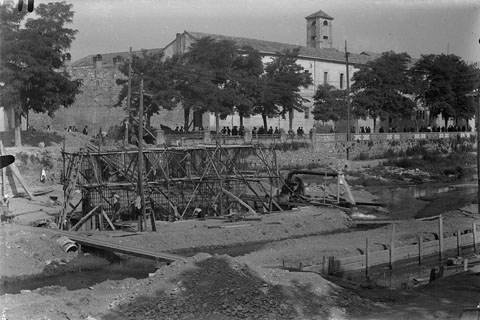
169	182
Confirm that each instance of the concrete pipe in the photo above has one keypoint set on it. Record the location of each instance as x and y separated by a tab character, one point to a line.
67	244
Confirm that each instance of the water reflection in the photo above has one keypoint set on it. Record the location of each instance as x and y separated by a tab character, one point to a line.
425	200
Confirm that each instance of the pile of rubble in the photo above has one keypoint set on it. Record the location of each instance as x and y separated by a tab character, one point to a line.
220	287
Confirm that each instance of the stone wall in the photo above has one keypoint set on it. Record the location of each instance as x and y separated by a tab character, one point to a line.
93	107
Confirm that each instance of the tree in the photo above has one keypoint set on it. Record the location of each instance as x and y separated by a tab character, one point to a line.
159	84
207	78
32	58
330	103
249	69
382	87
281	85
442	82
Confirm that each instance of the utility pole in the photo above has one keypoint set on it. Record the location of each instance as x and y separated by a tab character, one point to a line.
477	122
476	100
348	92
140	157
129	96
475	96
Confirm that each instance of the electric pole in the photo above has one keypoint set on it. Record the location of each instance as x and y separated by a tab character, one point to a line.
348	92
129	96
140	159
476	100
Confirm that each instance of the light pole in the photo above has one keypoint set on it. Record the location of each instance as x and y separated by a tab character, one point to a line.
348	92
475	95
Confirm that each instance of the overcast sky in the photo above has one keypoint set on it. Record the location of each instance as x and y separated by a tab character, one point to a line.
416	27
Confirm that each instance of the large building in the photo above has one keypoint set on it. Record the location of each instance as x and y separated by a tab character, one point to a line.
99	72
326	65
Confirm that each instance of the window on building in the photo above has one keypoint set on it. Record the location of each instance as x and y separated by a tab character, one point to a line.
325	78
341	80
325	23
325	37
307	113
314	37
314	23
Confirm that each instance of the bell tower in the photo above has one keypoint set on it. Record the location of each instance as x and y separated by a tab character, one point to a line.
319	30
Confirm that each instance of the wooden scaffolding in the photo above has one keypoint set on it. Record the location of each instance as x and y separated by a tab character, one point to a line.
177	181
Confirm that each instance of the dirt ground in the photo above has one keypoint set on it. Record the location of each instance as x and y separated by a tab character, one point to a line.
250	286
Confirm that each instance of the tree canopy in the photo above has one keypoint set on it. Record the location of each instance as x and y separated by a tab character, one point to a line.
382	88
32	55
208	79
159	86
442	82
329	103
221	78
281	86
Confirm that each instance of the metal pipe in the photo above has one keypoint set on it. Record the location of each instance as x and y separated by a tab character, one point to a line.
316	173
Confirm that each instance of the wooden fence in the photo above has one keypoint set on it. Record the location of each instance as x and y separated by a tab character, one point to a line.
421	254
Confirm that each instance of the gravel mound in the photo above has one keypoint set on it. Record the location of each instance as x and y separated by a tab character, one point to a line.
221	287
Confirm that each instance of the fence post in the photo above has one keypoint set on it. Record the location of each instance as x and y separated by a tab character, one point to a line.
331	265
420	250
366	258
392	247
440	237
459	244
474	238
325	265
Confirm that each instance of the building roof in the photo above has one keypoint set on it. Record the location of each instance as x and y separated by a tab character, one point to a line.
319	14
271	47
107	58
263	46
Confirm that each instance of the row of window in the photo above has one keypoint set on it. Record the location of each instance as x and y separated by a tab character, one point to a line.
341	80
325	23
324	37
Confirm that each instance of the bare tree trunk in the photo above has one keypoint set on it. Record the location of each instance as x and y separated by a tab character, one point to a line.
186	118
290	120
264	117
18	129
217	123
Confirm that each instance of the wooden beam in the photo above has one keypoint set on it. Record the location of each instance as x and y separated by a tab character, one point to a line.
420	250
250	210
440	238
108	220
85	218
474	230
392	247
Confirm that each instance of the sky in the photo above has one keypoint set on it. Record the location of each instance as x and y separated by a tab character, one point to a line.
416	27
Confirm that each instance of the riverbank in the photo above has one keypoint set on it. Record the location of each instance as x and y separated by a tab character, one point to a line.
302	235
250	286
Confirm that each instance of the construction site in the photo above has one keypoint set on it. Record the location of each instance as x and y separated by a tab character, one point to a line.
166	184
213	230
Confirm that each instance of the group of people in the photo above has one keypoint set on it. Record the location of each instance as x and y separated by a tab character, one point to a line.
443	129
69	129
261	130
240	131
235	131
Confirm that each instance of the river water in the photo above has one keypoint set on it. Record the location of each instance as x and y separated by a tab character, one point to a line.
426	200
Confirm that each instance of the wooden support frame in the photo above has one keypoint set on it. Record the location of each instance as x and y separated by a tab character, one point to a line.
215	169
